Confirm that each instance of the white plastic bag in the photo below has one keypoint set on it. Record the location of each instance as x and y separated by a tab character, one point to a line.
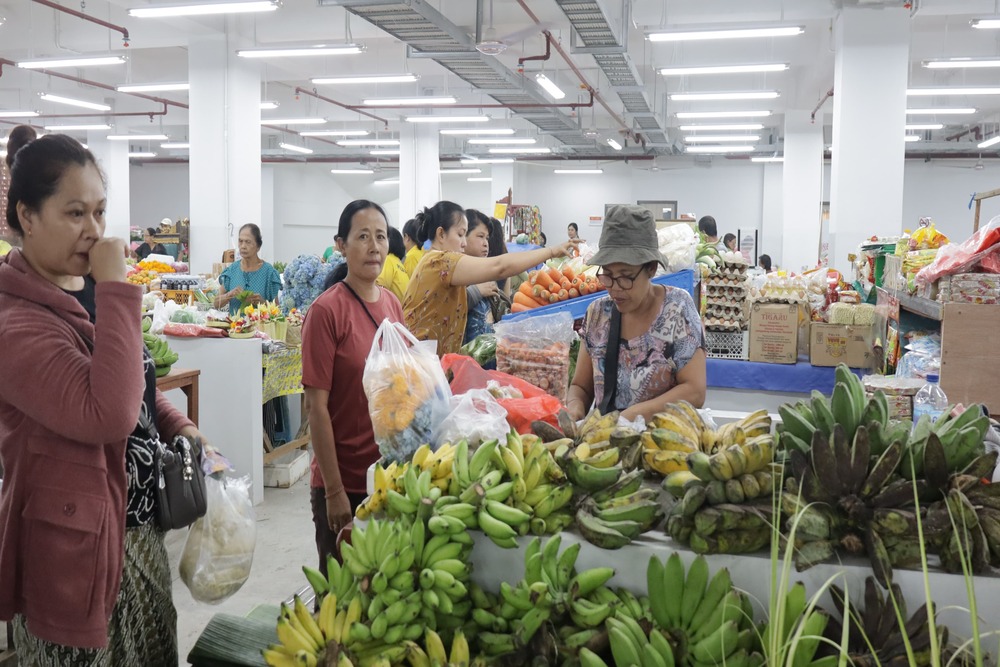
475	416
219	549
407	391
162	312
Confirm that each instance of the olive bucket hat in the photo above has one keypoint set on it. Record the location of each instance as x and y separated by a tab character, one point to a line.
628	237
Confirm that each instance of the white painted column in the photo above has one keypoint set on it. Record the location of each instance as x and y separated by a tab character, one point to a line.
225	172
419	168
802	192
503	180
869	118
771	214
112	156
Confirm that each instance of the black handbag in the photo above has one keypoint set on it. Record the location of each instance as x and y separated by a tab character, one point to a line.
180	479
611	362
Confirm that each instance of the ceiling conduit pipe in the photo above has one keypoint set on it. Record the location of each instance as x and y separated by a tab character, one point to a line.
105	114
95	84
313	93
815	110
583	81
85	17
543	57
279	128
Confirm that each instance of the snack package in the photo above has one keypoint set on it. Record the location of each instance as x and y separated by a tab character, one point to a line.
957	258
536	349
407	391
927	238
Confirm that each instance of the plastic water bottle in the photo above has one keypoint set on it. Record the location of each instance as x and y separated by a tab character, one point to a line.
930	400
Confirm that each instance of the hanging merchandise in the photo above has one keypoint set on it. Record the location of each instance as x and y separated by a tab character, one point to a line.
523	219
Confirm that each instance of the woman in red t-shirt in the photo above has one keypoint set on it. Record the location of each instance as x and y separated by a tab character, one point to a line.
336	339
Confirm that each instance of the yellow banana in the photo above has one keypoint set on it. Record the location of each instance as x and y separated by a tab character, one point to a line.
421	455
459	650
292	638
605	459
582	451
435	647
665	462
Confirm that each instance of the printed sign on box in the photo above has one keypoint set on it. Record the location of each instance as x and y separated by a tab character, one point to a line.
834	344
774	329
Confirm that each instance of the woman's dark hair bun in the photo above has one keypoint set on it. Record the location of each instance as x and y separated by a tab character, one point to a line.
20	136
422	218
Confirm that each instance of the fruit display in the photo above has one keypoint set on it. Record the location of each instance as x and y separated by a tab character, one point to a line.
551	285
163	357
707	259
146	271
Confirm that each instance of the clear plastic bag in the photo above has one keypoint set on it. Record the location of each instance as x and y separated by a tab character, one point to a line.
536	349
219	549
958	258
475	416
407	391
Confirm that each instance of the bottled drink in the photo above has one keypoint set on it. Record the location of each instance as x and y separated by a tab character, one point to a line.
930	400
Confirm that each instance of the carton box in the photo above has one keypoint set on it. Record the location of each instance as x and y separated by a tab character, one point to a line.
834	344
774	329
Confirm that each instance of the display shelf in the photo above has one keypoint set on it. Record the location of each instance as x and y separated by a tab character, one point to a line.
578	307
918	306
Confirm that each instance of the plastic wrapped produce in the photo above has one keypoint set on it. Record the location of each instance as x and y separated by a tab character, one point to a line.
536	350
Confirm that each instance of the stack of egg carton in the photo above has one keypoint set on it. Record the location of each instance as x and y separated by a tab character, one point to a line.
726	291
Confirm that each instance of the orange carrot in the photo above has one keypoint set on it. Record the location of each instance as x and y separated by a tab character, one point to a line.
563	295
545	296
569	272
565	284
573	293
585	289
526	289
544	279
556	275
524	300
518	308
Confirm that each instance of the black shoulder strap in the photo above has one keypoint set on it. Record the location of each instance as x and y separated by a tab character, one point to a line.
611	362
363	305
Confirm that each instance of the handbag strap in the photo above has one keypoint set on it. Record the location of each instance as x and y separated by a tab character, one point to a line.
611	362
361	301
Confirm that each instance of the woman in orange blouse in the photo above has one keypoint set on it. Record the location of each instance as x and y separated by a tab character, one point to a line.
435	305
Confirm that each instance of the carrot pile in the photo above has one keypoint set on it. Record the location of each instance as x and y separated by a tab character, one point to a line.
548	286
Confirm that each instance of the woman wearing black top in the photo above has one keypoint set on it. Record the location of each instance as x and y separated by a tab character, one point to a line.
149	246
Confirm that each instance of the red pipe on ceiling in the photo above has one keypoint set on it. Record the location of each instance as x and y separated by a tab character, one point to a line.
80	15
545	56
313	93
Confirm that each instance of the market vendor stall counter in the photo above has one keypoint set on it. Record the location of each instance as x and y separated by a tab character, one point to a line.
737	385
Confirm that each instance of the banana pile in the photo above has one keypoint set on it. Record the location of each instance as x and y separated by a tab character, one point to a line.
438	464
631	646
706	621
304	639
433	653
796	618
962	438
617	514
163	356
598	440
679	430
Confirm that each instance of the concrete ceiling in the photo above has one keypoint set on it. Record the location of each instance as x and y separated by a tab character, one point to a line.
604	39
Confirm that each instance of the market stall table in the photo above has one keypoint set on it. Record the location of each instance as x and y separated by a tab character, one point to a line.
186	381
735	385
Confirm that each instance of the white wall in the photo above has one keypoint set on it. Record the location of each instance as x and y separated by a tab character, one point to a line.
306	200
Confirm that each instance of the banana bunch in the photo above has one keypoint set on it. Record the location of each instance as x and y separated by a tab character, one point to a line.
961	436
722	529
679	430
630	645
617	514
797	619
707	621
305	640
736	474
598	441
434	654
338	581
437	464
163	356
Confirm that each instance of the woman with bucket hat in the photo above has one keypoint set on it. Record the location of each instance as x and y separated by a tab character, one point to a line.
643	344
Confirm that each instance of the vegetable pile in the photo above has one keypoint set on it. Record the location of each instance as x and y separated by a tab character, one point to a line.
550	285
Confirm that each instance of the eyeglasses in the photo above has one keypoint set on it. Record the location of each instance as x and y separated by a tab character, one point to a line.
623	282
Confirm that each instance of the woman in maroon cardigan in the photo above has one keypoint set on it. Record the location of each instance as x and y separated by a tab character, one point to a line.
84	575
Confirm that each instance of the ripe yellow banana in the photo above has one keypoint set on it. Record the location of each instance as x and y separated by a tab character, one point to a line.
606	459
665	462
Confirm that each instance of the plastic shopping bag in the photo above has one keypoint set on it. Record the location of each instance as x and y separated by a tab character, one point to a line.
407	392
958	258
536	349
475	416
219	549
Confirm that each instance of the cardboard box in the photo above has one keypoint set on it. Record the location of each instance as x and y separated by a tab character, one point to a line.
774	333
835	344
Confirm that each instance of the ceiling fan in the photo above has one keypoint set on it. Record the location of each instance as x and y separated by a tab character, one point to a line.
491	45
655	166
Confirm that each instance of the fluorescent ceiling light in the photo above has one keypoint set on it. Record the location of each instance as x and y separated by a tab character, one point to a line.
388	181
724	69
366	78
142	154
614	144
471	170
554	91
718	149
738	33
472	130
931	92
152	87
517	140
767	159
204	9
448	119
962	111
721	138
722	128
384	151
535	151
83	104
53	63
408	101
334	133
268	105
352	171
986	24
17	114
292	121
925	126
723	114
910	138
480	179
67	128
962	63
989	142
137	137
578	171
499	160
297	149
368	142
176	145
717	97
301	51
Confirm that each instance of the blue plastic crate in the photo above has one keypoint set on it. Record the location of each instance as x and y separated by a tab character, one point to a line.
578	307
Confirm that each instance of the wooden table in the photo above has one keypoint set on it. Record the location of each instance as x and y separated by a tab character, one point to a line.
186	381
